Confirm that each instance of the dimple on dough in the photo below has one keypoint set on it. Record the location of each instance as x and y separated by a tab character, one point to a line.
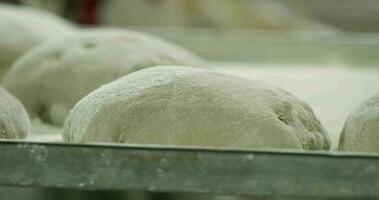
53	77
361	130
14	121
174	105
22	28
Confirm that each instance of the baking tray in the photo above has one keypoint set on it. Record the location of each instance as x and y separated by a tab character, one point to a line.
283	47
194	170
213	171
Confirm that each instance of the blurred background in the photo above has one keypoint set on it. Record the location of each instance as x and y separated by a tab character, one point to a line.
346	15
279	31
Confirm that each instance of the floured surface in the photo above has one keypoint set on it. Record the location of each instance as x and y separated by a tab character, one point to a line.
41	132
332	91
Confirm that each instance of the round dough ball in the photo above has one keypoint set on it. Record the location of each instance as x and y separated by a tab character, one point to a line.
14	121
190	106
361	130
22	28
53	77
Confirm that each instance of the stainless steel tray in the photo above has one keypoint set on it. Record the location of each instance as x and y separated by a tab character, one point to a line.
171	169
283	47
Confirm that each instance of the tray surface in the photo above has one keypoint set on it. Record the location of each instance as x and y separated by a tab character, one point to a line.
171	169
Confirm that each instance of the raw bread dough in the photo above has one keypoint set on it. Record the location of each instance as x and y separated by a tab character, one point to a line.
190	106
22	28
361	130
53	77
14	121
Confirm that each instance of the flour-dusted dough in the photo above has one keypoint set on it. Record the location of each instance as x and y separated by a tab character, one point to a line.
14	121
361	130
22	28
52	78
188	106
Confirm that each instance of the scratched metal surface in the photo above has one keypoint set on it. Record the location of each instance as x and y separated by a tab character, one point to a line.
157	169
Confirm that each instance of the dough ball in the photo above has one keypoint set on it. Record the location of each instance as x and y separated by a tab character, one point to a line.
14	121
361	130
53	77
22	28
174	105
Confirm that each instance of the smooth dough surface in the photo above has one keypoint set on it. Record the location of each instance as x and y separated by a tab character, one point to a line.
361	130
14	121
53	77
23	28
190	106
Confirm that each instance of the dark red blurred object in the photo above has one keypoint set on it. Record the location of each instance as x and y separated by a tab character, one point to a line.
88	12
82	11
11	1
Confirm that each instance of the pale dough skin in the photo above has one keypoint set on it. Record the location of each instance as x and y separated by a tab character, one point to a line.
361	130
174	105
23	28
53	77
14	121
